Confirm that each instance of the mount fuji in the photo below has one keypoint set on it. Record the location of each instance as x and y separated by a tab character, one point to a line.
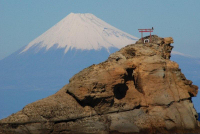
83	32
45	65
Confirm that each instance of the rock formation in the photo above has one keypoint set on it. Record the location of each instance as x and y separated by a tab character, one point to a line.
137	89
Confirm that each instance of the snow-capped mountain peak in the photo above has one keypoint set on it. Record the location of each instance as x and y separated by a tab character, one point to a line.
82	31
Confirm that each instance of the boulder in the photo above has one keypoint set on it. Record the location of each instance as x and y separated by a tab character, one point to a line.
136	90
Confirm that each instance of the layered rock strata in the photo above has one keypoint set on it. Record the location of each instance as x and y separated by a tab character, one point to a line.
137	89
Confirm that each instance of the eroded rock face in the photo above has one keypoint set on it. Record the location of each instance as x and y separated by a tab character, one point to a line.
138	89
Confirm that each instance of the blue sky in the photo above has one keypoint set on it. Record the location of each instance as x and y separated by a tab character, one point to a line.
21	21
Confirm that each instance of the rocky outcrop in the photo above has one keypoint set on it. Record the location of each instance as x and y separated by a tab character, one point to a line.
137	89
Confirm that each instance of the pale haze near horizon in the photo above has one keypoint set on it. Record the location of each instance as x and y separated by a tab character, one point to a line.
23	21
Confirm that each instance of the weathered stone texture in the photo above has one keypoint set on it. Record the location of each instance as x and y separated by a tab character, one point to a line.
138	89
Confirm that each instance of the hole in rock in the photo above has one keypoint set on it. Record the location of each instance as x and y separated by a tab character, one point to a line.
137	82
90	101
130	74
120	91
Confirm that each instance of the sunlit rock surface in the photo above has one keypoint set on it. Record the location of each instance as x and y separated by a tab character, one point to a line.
137	89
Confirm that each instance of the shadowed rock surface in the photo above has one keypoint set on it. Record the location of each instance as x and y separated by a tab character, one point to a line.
136	90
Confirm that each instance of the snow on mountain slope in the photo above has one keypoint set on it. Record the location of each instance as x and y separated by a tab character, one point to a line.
82	31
